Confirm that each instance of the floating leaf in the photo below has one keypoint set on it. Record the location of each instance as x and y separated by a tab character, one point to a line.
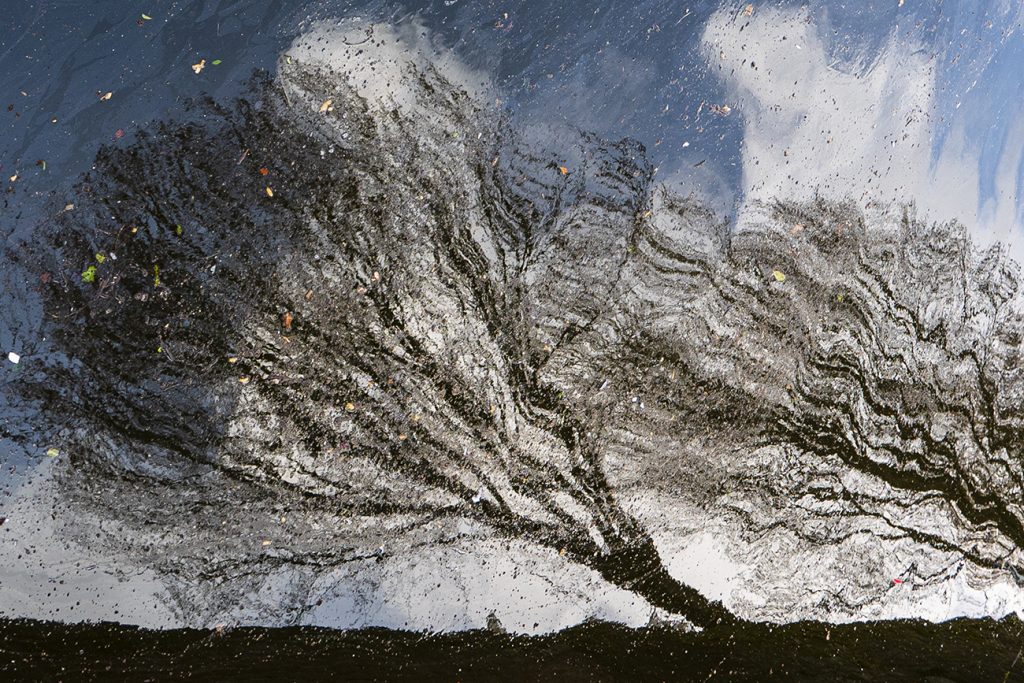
748	10
215	62
53	452
326	105
199	66
350	406
147	17
106	96
100	258
264	171
243	380
270	193
177	229
89	274
564	170
779	275
156	275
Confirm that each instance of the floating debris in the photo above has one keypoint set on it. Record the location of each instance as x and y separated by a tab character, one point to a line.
13	357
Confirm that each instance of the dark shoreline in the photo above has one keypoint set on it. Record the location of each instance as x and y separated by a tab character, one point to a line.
959	650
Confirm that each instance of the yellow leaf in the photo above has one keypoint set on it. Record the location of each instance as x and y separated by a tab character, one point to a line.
243	380
564	170
106	96
52	452
326	105
779	275
232	360
200	66
350	406
270	193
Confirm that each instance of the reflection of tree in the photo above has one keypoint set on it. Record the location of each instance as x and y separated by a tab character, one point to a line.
418	323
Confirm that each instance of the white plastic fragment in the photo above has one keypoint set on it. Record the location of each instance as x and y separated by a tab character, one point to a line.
13	357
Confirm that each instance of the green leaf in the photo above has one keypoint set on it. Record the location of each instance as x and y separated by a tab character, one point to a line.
215	62
156	275
101	258
89	274
177	229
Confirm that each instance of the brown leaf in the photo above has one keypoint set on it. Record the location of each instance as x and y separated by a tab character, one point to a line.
286	320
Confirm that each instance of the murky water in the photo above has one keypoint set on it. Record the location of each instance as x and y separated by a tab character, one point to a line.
453	316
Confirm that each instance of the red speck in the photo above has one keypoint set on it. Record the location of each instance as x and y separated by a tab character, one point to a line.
140	22
44	278
119	133
264	171
897	580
